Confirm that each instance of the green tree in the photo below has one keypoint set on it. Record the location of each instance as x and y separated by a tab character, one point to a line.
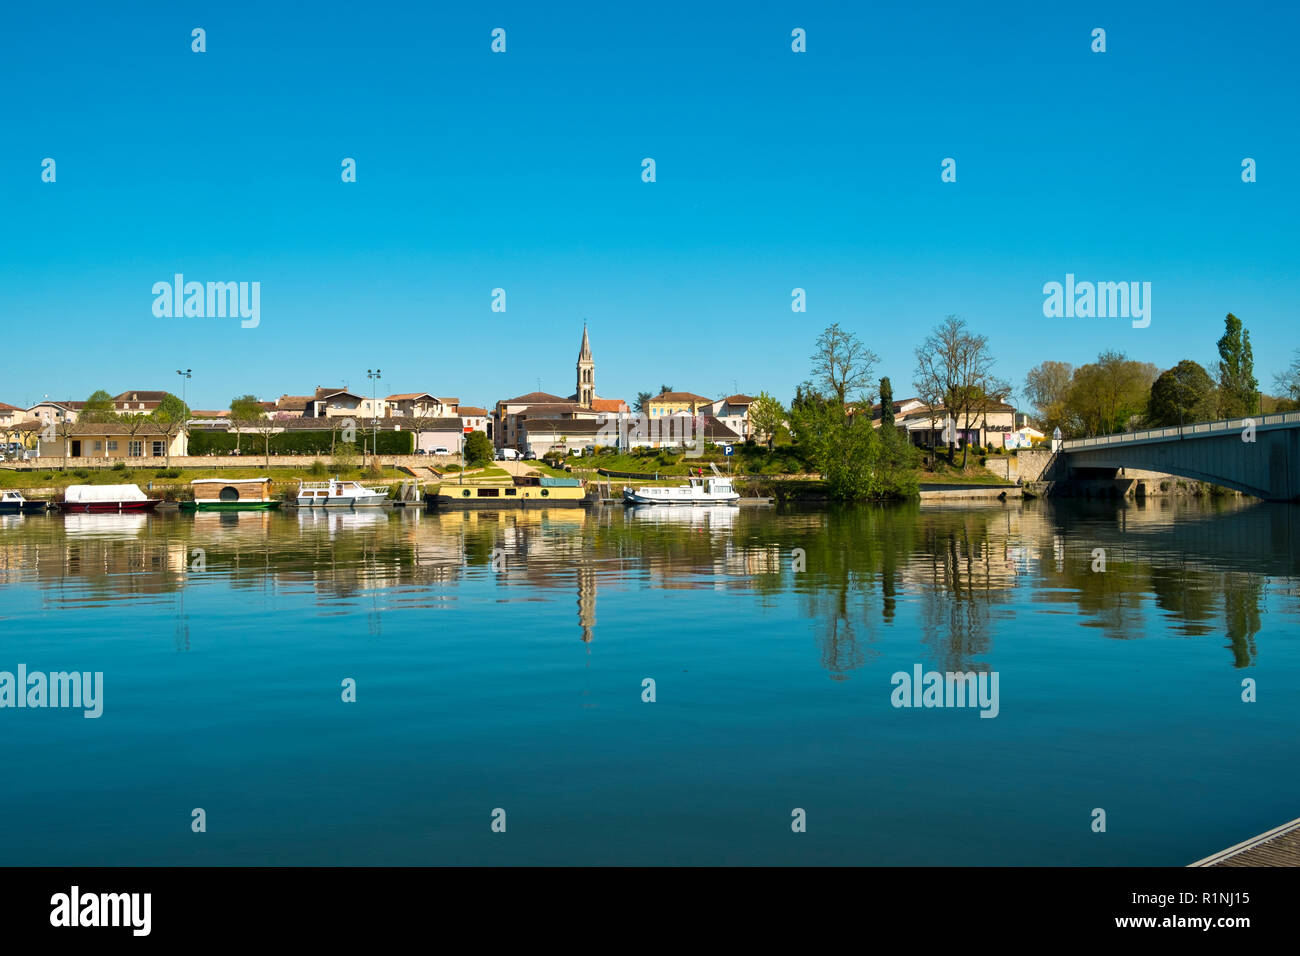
1109	395
886	403
766	418
1182	394
344	458
478	449
642	403
1047	386
99	407
1238	389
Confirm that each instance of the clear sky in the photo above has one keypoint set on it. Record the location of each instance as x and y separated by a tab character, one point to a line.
522	171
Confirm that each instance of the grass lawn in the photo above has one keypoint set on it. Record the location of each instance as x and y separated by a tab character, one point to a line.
477	474
47	478
974	474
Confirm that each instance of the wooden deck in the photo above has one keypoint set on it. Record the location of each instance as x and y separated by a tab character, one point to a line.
1280	846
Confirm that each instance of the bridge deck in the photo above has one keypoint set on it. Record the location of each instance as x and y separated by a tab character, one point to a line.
1278	847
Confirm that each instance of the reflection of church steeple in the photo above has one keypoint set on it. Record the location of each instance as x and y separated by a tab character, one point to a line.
587	603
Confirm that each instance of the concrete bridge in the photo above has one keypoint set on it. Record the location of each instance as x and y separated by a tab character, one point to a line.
1258	456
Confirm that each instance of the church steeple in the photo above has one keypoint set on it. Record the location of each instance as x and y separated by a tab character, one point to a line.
586	372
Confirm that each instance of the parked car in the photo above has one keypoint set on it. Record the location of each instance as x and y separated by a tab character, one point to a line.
507	454
441	451
421	451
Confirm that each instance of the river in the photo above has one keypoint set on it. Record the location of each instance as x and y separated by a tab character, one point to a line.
503	663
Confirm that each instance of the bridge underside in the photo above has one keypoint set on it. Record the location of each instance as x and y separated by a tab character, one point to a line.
1268	467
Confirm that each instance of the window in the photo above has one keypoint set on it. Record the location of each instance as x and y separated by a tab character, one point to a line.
510	491
99	445
135	449
112	444
157	449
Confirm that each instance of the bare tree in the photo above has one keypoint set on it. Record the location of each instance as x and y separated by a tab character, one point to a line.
245	412
266	426
842	365
954	370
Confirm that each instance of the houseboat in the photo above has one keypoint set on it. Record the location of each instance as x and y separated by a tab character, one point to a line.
527	491
230	494
339	494
13	502
714	490
96	499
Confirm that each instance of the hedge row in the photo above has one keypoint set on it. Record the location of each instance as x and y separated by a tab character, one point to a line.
296	443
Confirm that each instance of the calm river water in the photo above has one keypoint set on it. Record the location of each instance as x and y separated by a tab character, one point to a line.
500	662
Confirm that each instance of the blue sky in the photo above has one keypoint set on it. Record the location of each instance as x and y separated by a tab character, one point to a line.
522	171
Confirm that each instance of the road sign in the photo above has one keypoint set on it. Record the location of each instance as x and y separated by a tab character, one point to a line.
728	449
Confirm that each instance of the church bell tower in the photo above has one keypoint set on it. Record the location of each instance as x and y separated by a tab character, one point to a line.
586	389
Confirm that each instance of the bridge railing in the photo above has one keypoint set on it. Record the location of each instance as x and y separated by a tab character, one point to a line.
1195	429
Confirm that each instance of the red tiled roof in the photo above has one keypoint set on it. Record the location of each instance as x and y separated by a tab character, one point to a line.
535	398
680	397
140	396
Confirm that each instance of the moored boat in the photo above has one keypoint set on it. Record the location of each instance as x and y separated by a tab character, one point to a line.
13	502
526	491
95	499
714	490
339	494
230	494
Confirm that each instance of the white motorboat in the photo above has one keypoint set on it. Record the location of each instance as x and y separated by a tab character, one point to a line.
14	502
339	494
714	490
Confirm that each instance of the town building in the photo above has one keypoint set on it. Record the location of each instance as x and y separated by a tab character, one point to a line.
54	413
11	415
137	402
508	429
111	441
733	411
671	403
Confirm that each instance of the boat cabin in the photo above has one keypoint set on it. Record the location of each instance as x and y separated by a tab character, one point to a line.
231	490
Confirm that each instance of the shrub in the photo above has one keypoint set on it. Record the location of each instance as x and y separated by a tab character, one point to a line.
318	469
119	466
81	473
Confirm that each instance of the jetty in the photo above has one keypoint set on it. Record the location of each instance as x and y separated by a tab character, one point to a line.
1279	846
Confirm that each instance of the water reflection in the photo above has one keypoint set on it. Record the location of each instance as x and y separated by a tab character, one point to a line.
964	574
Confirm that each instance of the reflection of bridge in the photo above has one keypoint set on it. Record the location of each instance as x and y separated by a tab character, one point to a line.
1259	456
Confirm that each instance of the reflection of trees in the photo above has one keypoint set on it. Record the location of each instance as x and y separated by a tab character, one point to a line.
1241	609
963	571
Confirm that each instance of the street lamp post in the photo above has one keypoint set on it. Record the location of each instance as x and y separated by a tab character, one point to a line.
373	375
185	381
